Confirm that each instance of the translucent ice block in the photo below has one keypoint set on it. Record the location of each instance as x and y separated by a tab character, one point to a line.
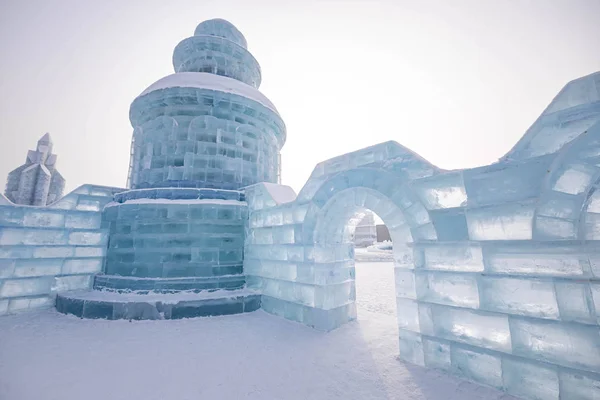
519	296
453	258
437	354
575	302
408	314
572	345
447	288
411	347
477	366
530	380
478	329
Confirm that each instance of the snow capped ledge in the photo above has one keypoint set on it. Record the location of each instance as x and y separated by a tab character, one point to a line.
180	201
267	195
203	80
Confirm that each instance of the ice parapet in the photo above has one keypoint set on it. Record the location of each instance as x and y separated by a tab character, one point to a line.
52	249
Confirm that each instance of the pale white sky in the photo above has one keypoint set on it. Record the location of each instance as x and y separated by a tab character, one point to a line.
457	81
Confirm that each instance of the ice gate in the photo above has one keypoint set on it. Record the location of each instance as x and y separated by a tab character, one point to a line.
497	268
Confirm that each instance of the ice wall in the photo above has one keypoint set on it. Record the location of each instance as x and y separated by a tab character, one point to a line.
497	268
48	250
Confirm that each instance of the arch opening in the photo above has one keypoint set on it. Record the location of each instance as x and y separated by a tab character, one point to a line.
373	283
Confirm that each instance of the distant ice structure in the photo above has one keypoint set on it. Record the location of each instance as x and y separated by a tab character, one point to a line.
365	233
497	268
37	182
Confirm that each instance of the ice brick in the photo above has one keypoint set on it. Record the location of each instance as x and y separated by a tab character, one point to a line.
82	266
28	303
575	302
453	258
519	296
448	288
477	366
437	354
408	314
75	282
571	345
507	222
26	287
7	268
530	380
579	386
411	347
4	306
405	283
43	219
575	179
53	251
534	260
87	238
477	329
442	191
26	268
83	220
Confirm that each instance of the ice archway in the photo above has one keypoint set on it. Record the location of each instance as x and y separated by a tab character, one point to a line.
497	267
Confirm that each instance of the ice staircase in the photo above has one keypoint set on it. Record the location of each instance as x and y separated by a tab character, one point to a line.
222	297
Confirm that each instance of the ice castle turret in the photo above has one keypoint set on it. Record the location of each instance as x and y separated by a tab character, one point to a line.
207	125
37	182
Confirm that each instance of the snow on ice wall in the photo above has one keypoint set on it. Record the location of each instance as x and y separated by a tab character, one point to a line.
497	268
47	250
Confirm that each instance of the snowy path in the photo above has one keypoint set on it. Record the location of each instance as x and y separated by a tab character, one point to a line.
46	355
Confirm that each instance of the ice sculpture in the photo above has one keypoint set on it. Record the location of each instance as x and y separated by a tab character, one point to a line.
37	182
177	237
497	268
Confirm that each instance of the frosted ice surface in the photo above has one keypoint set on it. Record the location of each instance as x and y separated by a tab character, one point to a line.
476	366
531	381
208	81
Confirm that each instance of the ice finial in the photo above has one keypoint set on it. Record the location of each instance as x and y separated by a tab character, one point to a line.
44	145
37	182
46	139
221	28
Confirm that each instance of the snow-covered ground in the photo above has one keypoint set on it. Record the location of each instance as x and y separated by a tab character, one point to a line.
372	254
46	355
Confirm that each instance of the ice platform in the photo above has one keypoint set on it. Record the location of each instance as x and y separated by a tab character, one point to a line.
109	304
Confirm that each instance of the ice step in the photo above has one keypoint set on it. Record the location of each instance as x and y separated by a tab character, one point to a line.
166	285
104	304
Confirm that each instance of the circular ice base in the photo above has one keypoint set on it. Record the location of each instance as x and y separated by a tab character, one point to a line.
131	306
194	235
171	193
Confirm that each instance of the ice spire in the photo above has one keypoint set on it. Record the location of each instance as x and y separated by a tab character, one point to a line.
37	182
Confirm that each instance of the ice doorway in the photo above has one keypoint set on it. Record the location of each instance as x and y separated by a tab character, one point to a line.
375	284
374	266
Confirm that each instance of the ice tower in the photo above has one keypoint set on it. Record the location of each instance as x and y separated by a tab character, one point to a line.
37	182
200	135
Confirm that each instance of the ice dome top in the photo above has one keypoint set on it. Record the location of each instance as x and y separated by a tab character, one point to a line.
221	28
